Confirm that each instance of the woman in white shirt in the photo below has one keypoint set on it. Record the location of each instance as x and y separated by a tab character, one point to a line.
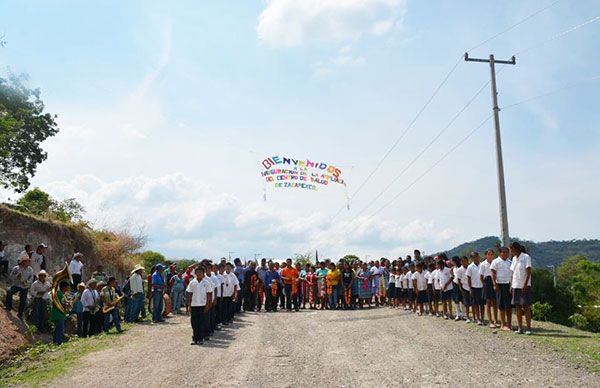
501	277
457	296
521	285
445	279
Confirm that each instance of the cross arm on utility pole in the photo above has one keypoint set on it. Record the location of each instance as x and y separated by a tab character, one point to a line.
513	60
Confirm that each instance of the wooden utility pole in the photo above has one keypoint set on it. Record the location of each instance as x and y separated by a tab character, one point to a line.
499	162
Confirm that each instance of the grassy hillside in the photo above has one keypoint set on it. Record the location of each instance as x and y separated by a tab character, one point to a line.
542	253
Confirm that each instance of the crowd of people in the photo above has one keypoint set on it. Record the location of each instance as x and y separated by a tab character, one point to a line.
483	290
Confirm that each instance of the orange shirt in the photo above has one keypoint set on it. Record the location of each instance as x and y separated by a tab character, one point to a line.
290	273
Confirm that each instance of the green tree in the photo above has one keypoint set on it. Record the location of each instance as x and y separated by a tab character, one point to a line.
23	127
149	258
303	258
36	202
350	258
68	210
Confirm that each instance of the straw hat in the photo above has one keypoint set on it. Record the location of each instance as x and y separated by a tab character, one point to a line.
24	257
136	268
42	272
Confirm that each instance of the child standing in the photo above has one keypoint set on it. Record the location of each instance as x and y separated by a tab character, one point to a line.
57	316
430	296
392	289
489	295
456	291
501	277
464	286
420	287
521	285
445	279
437	292
476	286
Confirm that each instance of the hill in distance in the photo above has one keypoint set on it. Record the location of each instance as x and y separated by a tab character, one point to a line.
542	253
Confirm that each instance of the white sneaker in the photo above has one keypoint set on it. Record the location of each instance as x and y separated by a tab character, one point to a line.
467	320
457	318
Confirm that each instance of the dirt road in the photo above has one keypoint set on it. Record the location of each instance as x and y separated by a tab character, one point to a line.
376	347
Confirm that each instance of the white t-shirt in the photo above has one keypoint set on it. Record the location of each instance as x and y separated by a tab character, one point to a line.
36	262
503	270
220	280
399	281
484	269
428	276
462	272
519	267
75	267
421	281
473	271
406	280
444	276
458	273
199	291
436	280
230	284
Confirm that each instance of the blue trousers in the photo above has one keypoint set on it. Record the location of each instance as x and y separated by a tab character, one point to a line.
177	299
135	305
59	332
333	298
114	313
157	305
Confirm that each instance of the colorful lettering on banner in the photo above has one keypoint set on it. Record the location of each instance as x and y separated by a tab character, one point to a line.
284	172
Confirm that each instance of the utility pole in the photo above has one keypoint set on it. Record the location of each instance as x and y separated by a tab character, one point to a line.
230	252
553	268
257	255
500	164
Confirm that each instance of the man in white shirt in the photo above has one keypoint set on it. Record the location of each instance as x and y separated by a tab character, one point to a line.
199	291
76	269
90	299
40	291
501	277
489	295
136	298
38	260
521	285
476	286
3	260
231	288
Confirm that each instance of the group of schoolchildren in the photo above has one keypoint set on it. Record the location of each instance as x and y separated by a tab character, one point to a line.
468	288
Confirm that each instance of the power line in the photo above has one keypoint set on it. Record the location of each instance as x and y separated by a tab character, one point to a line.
559	35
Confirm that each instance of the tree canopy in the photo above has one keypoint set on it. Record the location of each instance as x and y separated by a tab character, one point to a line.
23	127
41	204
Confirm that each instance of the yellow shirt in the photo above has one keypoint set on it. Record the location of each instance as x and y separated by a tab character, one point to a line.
334	277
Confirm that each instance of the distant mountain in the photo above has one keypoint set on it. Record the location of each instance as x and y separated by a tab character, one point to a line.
542	253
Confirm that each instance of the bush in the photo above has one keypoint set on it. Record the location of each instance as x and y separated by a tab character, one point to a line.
578	321
592	314
541	311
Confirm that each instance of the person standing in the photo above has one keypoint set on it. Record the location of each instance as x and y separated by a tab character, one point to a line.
272	279
109	298
289	275
521	286
476	286
76	270
57	316
501	277
38	260
199	293
90	299
250	287
489	295
333	280
21	278
261	271
136	302
231	289
177	291
239	272
77	308
158	289
40	292
99	274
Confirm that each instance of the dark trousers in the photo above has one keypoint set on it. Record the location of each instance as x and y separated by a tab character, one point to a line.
219	311
114	313
228	309
22	299
38	313
79	324
198	320
249	300
281	296
270	300
290	299
76	280
3	267
89	323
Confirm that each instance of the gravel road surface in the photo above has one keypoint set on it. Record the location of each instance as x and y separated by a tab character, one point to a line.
372	347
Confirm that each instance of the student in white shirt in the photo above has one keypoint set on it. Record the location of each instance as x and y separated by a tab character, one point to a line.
457	295
398	286
392	288
476	287
489	295
412	295
437	292
404	283
430	295
445	279
420	288
463	284
231	289
501	277
76	270
521	285
90	299
199	291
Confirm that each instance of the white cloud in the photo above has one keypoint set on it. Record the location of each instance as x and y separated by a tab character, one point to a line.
288	23
184	217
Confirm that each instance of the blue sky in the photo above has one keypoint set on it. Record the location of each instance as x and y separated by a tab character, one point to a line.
166	111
